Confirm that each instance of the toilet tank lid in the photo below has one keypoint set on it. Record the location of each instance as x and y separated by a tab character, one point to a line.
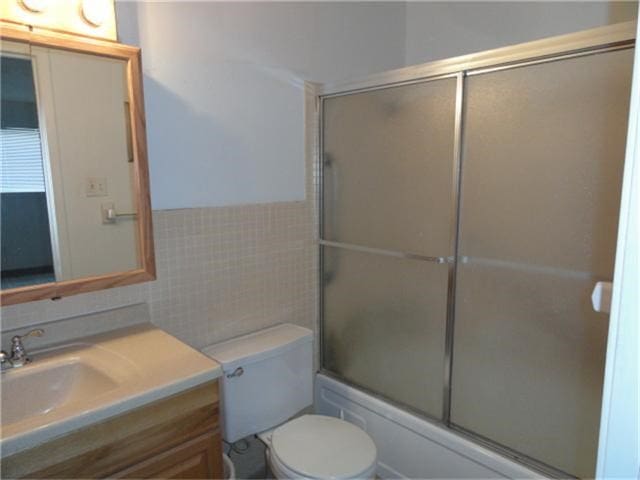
258	345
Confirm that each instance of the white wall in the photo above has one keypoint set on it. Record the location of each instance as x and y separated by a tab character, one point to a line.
224	89
619	449
223	80
438	30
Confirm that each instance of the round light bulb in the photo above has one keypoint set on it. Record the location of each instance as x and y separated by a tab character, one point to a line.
35	5
95	11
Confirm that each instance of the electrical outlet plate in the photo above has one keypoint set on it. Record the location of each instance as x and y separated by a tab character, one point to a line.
96	187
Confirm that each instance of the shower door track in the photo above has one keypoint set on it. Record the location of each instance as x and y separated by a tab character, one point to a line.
590	42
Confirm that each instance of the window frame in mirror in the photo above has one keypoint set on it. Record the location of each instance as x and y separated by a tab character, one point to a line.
131	55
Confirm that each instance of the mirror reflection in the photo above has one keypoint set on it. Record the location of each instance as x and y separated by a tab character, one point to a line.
27	256
67	173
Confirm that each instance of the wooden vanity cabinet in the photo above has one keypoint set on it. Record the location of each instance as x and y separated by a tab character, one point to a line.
197	458
175	437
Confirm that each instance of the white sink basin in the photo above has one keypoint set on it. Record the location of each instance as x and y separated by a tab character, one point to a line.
89	380
37	389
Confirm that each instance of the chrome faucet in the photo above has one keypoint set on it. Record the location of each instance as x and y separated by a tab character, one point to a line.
19	356
5	361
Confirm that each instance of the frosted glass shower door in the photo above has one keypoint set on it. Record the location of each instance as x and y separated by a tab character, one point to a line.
387	210
541	178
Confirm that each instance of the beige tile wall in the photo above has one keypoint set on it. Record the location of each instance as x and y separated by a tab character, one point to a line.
222	272
227	271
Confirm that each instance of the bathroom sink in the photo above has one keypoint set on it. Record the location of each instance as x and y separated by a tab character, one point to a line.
37	389
87	380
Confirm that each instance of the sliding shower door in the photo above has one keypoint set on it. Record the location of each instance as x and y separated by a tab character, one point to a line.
386	232
541	178
465	221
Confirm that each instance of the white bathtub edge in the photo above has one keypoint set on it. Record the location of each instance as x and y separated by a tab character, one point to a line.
433	451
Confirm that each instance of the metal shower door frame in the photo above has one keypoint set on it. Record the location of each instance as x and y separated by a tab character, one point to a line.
589	42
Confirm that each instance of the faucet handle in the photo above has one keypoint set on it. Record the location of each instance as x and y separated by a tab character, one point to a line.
18	353
36	332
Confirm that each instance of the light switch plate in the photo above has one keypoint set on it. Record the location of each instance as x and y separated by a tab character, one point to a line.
104	211
96	187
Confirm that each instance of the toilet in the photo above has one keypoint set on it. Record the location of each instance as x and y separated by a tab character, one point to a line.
268	379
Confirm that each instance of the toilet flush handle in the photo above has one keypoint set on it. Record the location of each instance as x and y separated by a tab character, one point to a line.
236	373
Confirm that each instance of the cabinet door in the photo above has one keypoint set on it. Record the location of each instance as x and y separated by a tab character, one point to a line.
197	458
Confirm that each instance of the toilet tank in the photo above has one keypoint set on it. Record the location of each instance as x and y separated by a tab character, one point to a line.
268	378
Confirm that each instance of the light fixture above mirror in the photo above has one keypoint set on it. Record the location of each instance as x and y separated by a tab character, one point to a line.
92	18
35	5
95	11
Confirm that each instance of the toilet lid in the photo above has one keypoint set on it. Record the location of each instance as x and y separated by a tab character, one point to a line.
316	446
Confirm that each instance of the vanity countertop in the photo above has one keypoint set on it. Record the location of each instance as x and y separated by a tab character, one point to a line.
91	379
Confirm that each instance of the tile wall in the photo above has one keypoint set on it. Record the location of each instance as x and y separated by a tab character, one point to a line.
221	272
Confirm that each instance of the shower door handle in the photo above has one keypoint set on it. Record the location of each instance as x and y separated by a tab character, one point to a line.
329	164
332	202
601	297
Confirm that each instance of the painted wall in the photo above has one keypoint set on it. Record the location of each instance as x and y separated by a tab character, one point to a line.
223	80
436	30
224	89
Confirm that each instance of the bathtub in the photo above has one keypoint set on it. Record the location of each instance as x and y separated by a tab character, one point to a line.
409	446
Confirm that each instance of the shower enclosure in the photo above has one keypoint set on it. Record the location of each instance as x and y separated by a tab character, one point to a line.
467	209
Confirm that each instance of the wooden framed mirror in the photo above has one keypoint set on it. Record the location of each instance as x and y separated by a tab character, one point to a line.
76	210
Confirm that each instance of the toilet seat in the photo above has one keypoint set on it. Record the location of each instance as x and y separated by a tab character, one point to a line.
321	447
